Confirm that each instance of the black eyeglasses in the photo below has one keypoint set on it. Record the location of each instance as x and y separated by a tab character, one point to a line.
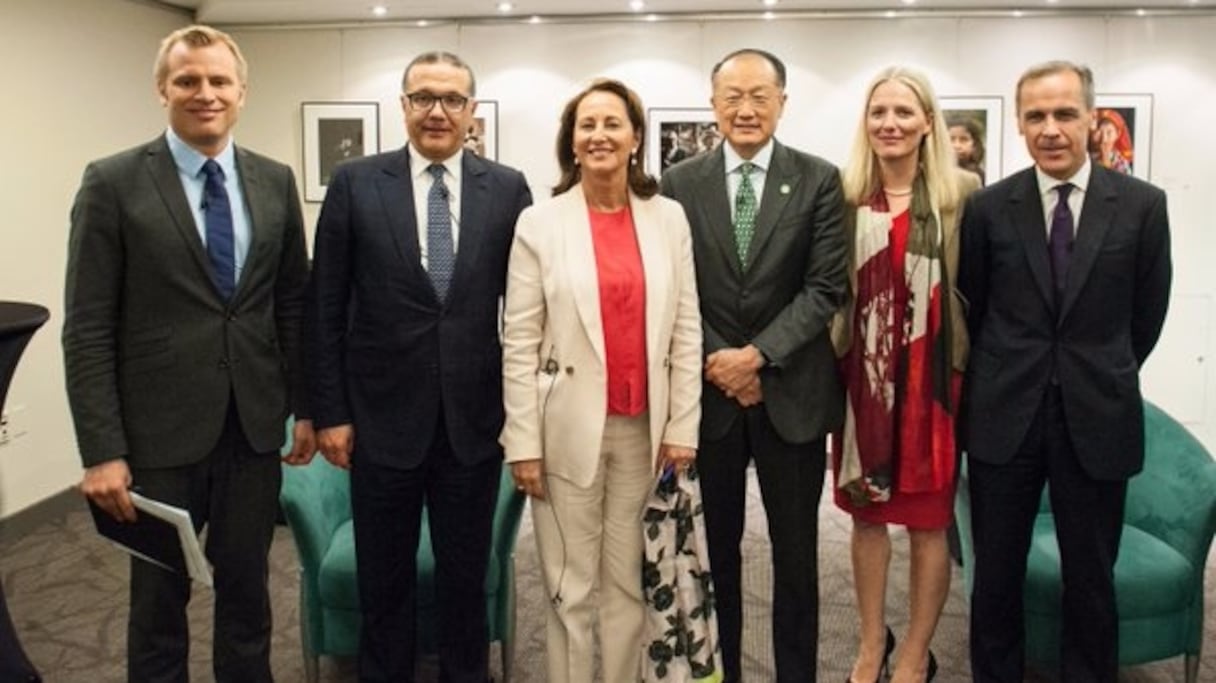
423	101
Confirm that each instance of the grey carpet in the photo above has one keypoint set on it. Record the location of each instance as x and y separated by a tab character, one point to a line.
67	592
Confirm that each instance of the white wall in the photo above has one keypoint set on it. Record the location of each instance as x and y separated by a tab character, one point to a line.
532	69
79	87
84	89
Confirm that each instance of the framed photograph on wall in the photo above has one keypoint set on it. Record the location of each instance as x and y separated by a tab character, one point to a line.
976	125
1122	139
482	137
333	133
673	135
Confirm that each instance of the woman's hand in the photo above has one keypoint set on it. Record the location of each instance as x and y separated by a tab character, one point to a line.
529	477
678	457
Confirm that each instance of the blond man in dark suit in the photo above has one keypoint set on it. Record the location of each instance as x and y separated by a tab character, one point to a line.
184	298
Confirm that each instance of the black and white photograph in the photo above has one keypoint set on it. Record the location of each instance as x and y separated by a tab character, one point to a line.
674	135
335	132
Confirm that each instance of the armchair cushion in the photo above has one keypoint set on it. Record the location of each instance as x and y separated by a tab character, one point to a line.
1152	578
336	577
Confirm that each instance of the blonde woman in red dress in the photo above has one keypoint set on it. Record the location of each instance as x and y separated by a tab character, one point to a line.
902	346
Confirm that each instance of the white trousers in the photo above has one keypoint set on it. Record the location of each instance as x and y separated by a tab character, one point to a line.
590	536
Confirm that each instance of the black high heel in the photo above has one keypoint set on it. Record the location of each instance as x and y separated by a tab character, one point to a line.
886	657
932	670
884	671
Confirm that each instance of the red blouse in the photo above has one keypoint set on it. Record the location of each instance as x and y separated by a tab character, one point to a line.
622	283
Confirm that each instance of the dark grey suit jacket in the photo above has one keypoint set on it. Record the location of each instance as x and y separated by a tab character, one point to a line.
784	299
386	353
152	352
1111	315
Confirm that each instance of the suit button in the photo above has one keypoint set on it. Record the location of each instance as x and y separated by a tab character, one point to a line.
569	369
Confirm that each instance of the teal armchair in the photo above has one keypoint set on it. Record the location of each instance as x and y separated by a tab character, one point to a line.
316	503
1167	530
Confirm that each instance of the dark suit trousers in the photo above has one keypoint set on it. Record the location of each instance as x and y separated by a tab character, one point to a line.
791	480
387	505
1089	518
234	491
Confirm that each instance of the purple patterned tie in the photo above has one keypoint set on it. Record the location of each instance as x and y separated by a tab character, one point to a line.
1059	244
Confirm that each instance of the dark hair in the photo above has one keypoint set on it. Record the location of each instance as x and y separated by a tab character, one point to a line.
973	129
771	58
640	182
440	57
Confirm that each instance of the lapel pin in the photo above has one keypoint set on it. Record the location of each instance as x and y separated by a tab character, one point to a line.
785	189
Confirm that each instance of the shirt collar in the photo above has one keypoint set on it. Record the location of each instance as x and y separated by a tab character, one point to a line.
419	163
761	160
190	161
1079	180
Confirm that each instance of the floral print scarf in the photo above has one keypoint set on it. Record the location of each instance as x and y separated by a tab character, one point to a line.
898	432
681	636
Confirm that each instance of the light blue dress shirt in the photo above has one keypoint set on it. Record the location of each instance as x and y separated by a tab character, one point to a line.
189	164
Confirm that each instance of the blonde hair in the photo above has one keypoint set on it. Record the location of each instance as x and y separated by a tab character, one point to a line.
197	36
936	157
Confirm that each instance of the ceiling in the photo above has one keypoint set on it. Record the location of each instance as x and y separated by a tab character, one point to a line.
342	11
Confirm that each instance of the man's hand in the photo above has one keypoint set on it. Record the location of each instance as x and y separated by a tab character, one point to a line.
303	443
529	477
106	485
678	457
751	395
337	444
732	370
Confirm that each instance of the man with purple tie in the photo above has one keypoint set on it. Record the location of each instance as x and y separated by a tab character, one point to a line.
1066	268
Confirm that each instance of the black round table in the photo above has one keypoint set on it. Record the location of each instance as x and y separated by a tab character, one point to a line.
18	322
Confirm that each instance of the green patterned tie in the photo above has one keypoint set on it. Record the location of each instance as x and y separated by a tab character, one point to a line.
745	211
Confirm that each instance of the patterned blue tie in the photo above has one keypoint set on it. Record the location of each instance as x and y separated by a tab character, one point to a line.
1059	243
217	217
440	257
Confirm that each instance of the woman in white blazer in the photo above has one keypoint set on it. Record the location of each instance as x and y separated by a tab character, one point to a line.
601	373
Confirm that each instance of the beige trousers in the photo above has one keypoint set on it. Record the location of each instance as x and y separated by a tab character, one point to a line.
590	536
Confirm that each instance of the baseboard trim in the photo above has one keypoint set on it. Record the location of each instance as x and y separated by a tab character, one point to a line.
48	509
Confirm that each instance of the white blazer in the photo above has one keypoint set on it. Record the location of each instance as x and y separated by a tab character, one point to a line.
554	373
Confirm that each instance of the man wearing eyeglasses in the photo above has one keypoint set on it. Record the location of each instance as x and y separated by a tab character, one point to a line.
409	268
770	255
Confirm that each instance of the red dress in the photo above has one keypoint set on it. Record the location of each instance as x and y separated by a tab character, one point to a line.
927	510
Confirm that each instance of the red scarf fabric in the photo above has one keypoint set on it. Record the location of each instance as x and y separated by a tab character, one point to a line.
899	426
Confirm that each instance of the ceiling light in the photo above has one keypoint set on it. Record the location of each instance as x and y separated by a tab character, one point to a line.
890	14
535	19
770	3
636	5
379	10
652	17
504	7
1140	12
422	23
908	2
768	15
1017	13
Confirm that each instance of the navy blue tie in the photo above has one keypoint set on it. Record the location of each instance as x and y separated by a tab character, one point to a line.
440	256
1059	243
217	217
